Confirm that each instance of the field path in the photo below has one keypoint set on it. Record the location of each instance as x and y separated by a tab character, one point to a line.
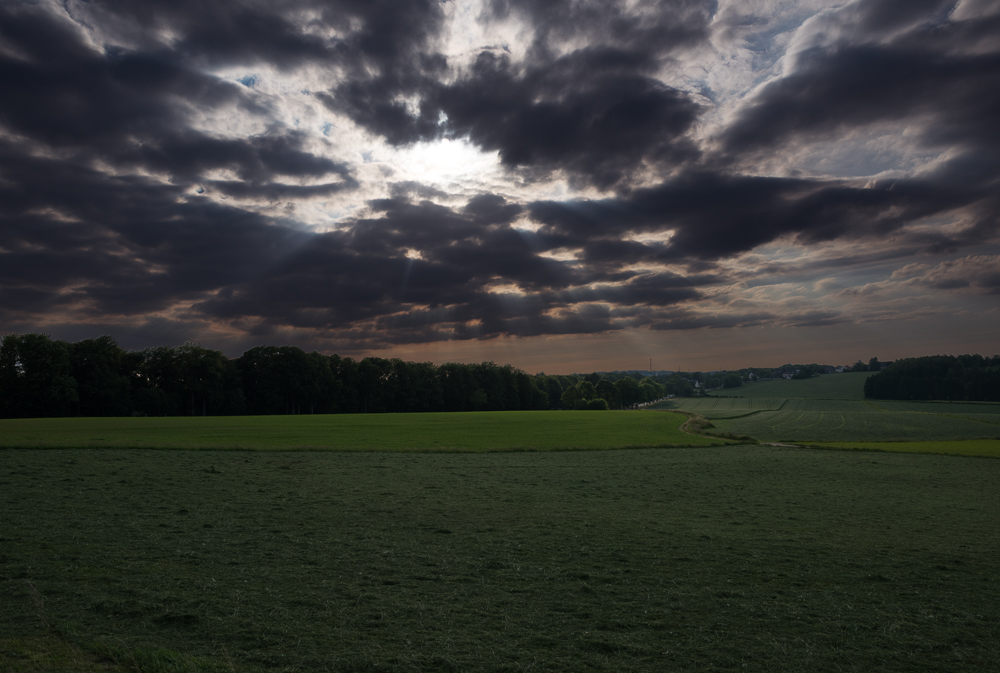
694	421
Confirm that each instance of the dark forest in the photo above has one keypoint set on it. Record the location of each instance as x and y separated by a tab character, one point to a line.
42	377
938	377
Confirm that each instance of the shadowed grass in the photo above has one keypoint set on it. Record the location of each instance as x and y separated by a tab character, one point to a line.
709	559
986	448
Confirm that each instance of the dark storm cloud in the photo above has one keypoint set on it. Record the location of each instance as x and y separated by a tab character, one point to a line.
596	113
76	241
107	179
589	114
715	216
354	34
942	75
120	246
342	280
133	109
900	62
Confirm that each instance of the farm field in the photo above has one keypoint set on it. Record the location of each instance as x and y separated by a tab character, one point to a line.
847	425
821	413
849	386
989	448
711	407
970	409
726	558
485	431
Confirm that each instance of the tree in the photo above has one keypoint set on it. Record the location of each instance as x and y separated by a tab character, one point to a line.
650	390
36	377
346	398
874	365
187	380
628	392
570	397
607	392
585	390
457	387
809	371
373	373
479	400
101	370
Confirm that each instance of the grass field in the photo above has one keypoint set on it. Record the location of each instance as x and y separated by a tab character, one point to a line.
849	386
819	410
987	448
746	558
846	425
711	407
535	430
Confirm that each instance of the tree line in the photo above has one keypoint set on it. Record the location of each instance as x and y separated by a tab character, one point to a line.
938	377
43	377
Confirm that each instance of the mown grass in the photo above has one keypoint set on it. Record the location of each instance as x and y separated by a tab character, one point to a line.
51	652
988	448
486	431
711	407
819	411
856	426
709	559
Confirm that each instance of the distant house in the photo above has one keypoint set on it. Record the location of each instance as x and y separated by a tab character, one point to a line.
790	374
885	364
839	370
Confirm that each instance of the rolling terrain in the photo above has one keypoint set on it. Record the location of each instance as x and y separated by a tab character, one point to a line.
822	410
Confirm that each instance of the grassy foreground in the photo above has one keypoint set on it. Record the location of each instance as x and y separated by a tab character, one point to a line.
486	431
744	558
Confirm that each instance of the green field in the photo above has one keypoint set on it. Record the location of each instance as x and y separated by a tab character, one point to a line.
747	558
988	448
820	410
485	431
849	386
711	407
856	425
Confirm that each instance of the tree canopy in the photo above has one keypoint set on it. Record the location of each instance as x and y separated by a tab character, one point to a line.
938	377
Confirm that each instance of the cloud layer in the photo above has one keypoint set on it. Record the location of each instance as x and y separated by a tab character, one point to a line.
363	175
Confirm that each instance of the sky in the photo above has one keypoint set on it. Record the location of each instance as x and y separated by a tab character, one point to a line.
565	186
